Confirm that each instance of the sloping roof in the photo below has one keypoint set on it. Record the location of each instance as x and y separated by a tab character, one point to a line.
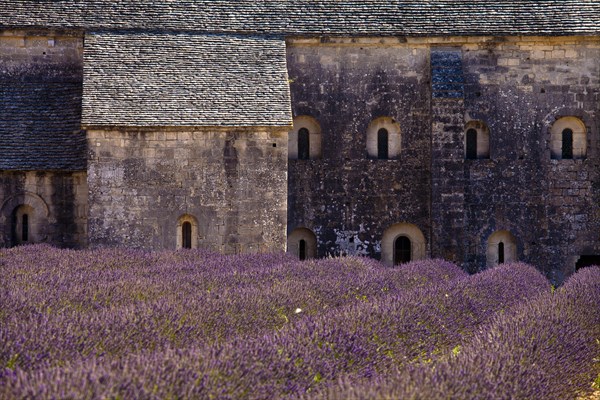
147	79
40	126
314	17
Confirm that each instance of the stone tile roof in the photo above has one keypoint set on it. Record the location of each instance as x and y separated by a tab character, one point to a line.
40	126
151	79
318	17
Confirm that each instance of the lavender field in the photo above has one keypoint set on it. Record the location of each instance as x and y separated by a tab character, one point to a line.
123	324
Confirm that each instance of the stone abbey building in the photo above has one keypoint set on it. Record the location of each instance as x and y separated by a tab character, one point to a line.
467	130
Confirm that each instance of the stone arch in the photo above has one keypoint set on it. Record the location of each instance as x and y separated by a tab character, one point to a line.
501	248
577	132
394	137
305	123
406	230
480	131
11	217
302	242
187	225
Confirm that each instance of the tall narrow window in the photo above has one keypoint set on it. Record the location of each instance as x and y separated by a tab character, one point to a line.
471	144
302	249
501	253
25	228
303	144
567	143
402	250
186	235
382	144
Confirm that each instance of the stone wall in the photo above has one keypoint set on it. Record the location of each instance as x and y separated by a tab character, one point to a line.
229	183
347	198
40	101
519	87
56	205
513	88
43	187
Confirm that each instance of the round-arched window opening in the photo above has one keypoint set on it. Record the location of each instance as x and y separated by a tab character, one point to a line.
302	249
501	253
382	144
304	140
25	227
477	140
471	144
567	143
384	139
402	250
568	139
187	232
303	144
302	242
501	248
186	235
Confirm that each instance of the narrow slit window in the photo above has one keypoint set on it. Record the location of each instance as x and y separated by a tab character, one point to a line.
382	144
303	144
302	249
186	235
25	228
567	143
501	253
402	250
471	144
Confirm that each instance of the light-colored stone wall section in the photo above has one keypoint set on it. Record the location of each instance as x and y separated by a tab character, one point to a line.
579	137
314	134
412	232
232	182
310	243
394	137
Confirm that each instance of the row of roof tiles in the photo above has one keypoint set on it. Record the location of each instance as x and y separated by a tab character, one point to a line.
313	17
185	80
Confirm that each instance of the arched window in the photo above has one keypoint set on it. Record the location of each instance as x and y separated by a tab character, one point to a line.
304	140
25	228
477	140
382	144
567	143
186	235
23	225
302	242
383	139
500	253
401	243
471	144
501	248
402	250
187	232
568	139
303	144
302	249
24	219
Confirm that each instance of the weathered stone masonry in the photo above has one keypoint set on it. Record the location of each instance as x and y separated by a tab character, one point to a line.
395	130
516	87
42	147
231	181
347	198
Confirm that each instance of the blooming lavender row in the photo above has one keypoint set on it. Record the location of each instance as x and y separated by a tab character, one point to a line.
360	321
548	348
60	305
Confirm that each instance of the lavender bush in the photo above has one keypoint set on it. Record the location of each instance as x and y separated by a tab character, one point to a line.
125	324
546	348
61	304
